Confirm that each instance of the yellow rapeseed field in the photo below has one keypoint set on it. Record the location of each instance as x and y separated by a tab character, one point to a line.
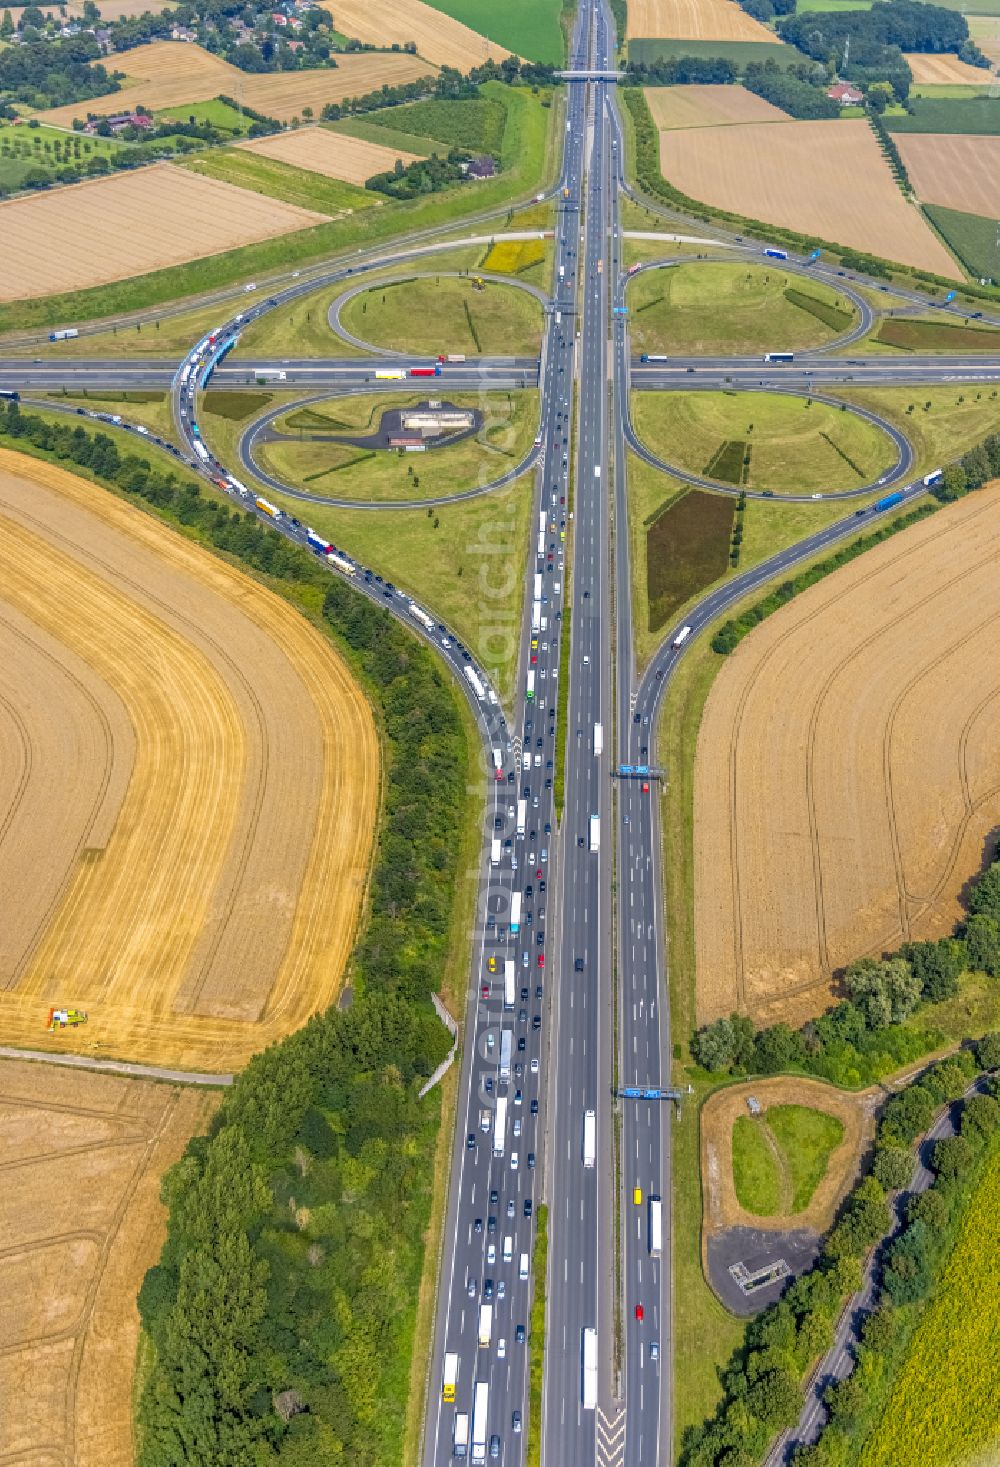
511	256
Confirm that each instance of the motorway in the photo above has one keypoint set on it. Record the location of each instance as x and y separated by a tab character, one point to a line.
585	1012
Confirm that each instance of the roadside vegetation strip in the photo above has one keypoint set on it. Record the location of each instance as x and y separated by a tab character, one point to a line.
931	336
525	155
285	180
939	1304
536	1339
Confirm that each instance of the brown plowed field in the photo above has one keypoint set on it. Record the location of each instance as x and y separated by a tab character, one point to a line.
826	179
847	774
188	788
694	20
81	1157
708	106
170	73
954	169
437	36
945	70
130	224
353	160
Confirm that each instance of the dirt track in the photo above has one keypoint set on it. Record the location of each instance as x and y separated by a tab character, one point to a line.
188	788
721	1207
847	774
81	1220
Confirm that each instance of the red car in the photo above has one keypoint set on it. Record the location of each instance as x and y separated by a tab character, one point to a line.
639	1313
645	789
541	960
486	990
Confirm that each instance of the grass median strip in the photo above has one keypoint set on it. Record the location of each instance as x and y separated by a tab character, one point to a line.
536	1369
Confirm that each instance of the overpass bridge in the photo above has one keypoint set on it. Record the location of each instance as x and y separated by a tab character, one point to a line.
591	74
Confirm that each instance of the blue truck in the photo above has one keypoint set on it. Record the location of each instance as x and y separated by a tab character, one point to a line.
887	502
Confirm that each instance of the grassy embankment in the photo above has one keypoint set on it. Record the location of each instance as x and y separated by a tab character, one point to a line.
302	187
343	471
730	310
794	445
445	314
528	155
536	1337
780	1157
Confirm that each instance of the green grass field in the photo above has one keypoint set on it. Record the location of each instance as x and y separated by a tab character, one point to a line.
474	123
347	472
965	113
301	186
460	562
740	53
730	309
921	334
794	447
215	113
943	1408
807	1138
386	136
529	28
955	419
170	337
151	409
687	549
528	156
442	314
756	1175
971	237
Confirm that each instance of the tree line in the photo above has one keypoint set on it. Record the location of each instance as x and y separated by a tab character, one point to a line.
798	90
763	1381
282	1304
450	85
861	1037
50	73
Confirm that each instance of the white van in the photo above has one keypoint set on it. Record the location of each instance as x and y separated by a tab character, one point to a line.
508	1248
522	1271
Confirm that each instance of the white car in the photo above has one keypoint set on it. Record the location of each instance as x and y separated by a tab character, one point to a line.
491	1253
534	1065
517	1132
513	1161
502	1348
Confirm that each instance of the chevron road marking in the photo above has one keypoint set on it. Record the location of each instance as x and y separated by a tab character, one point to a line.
610	1439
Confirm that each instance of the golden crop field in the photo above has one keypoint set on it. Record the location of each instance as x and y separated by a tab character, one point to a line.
985	31
437	36
708	106
82	1220
943	1408
171	73
189	775
694	20
826	179
334	154
943	69
850	822
954	169
128	224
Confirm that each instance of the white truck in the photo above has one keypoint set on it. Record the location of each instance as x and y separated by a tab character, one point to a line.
515	914
460	1436
485	1325
508	983
529	691
595	832
450	1376
598	740
506	1042
500	1126
495	851
681	638
590	1370
475	682
522	816
479	1414
589	1137
655	1227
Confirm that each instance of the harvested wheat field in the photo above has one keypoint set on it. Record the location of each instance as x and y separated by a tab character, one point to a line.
850	822
112	10
694	20
334	154
81	1220
954	169
128	224
172	73
721	1110
708	106
943	69
188	775
826	179
985	31
437	36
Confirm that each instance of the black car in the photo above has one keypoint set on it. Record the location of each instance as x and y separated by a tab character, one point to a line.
578	965
538	990
527	1207
522	1016
540	938
491	1224
520	1049
494	1197
536	1022
470	1142
524	995
534	1107
487	1289
541	885
531	1161
519	1334
497	823
548	828
478	1225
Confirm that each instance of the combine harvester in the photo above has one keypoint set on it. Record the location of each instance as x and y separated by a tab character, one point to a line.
66	1018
